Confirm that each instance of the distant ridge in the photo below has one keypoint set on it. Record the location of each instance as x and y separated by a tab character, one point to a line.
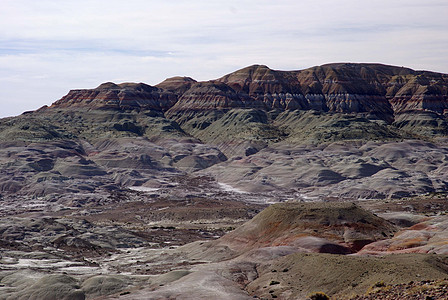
383	91
338	130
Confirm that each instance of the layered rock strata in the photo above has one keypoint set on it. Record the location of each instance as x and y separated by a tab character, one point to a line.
379	90
118	96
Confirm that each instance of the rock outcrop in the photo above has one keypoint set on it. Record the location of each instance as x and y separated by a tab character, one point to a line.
118	96
338	228
177	85
380	91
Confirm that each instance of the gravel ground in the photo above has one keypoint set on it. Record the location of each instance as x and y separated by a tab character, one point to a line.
423	290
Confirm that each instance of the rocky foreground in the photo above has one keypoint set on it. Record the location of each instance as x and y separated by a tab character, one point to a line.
287	251
429	289
261	184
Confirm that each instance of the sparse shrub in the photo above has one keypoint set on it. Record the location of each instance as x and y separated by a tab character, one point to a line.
273	282
318	296
379	284
421	289
442	283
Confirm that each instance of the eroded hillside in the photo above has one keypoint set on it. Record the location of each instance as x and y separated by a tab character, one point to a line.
132	191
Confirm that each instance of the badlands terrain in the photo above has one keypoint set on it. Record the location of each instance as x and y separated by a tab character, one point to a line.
261	184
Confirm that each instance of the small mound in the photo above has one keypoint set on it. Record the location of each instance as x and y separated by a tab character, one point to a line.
176	84
333	226
428	236
104	285
60	287
107	85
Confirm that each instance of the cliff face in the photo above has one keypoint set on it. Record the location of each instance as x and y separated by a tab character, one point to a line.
347	88
118	96
381	91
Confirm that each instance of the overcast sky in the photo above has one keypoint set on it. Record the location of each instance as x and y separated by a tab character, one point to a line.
49	47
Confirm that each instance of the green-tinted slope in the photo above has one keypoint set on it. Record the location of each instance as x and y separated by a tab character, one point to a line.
89	125
312	127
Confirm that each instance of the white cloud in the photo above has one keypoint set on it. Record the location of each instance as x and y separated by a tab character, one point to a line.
48	47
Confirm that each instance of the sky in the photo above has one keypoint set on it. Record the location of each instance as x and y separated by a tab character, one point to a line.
50	47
